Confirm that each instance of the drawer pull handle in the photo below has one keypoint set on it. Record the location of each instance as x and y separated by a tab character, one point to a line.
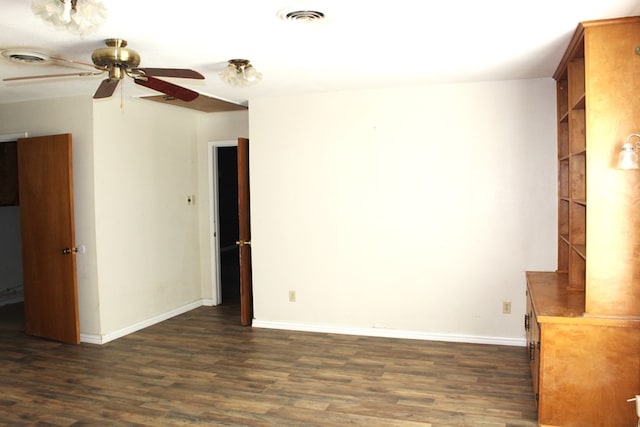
532	351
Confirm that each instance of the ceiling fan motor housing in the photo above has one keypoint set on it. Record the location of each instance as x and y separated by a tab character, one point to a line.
115	56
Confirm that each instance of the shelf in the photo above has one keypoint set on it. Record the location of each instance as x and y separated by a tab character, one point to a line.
563	139
553	302
580	103
563	98
551	298
563	254
563	178
563	218
577	176
577	271
578	224
581	250
575	69
577	138
572	175
564	117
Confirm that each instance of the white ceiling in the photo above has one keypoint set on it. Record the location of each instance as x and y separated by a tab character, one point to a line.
360	44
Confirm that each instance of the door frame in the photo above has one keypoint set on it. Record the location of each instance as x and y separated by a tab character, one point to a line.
214	217
10	137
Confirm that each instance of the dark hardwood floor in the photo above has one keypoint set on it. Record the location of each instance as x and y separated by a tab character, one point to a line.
201	368
12	316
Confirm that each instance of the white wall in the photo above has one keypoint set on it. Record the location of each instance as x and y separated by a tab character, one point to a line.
146	233
142	240
415	209
356	205
213	127
68	115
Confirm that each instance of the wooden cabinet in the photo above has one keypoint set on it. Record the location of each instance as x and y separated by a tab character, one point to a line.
586	315
584	368
532	329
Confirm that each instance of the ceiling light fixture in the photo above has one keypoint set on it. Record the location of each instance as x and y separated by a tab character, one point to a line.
240	73
79	17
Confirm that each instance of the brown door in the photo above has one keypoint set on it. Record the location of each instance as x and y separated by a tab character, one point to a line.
246	293
48	241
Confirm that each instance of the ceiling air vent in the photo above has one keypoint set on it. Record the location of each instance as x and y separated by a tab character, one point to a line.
25	56
301	15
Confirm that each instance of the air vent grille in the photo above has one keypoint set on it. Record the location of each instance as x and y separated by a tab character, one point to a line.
25	56
301	15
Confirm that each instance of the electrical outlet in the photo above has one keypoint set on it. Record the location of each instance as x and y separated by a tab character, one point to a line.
506	307
292	296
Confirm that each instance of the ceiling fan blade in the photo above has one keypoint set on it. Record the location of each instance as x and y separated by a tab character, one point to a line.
48	76
170	89
72	62
106	88
183	73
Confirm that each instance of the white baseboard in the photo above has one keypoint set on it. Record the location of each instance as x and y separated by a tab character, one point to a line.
11	300
390	333
304	327
103	339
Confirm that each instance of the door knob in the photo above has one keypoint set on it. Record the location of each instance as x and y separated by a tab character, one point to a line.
68	251
243	242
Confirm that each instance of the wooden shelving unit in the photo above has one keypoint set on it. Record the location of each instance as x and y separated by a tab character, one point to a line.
583	320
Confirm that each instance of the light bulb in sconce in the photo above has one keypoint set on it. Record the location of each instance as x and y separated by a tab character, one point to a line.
628	157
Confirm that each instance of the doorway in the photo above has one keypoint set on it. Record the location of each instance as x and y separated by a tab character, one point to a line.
228	231
44	184
11	282
223	222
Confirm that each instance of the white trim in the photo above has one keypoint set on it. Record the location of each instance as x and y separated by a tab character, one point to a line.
214	216
7	137
13	299
390	333
103	339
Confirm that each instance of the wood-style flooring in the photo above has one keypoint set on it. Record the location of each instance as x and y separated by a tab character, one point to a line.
12	316
202	368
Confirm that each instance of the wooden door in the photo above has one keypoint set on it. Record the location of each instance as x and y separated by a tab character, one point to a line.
244	241
48	240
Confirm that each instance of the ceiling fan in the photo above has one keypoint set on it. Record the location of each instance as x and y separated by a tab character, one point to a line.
119	61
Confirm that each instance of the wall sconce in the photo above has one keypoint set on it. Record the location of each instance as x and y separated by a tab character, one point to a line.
628	157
